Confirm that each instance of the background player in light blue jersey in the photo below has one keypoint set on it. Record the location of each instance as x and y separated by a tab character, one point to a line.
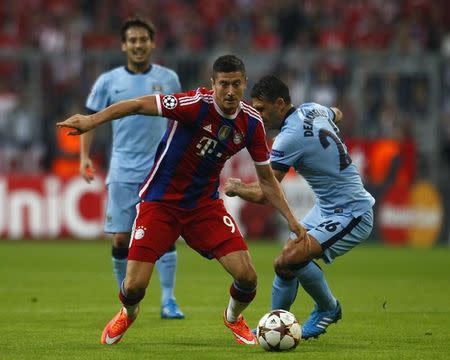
342	217
134	144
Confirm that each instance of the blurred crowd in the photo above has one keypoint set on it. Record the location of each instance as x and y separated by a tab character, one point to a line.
283	33
197	25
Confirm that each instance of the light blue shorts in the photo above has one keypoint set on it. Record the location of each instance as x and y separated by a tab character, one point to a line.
121	207
338	233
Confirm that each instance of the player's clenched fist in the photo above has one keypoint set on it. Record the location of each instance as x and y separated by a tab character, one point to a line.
231	186
87	169
79	123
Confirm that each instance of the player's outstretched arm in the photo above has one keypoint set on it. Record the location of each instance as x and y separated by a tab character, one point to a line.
145	105
251	192
272	191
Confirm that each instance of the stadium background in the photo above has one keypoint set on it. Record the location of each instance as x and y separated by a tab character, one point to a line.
385	63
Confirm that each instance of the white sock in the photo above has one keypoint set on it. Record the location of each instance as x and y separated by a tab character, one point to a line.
234	309
131	311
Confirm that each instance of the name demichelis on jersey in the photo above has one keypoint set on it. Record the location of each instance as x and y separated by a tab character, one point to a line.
310	142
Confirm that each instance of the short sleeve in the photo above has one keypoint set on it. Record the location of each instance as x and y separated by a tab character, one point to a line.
182	107
286	151
331	114
98	98
257	147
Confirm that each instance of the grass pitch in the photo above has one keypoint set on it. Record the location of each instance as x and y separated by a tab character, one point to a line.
56	297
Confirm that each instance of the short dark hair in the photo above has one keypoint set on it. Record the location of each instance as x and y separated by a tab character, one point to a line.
270	88
137	22
228	63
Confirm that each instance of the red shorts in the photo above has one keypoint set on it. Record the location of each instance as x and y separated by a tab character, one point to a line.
210	230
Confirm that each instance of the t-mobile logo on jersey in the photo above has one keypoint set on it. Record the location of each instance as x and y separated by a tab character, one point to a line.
206	146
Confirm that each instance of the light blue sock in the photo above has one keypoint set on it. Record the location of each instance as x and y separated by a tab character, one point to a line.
119	269
166	266
312	279
284	292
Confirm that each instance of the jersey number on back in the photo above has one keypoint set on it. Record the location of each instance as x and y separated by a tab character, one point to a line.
344	158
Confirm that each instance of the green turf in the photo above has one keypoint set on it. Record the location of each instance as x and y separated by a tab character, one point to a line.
55	299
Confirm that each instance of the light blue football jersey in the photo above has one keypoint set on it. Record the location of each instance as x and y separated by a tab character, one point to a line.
309	141
135	137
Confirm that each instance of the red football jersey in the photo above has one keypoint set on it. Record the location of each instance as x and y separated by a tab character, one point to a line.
196	145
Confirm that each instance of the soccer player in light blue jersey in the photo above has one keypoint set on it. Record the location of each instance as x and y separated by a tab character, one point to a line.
134	144
342	217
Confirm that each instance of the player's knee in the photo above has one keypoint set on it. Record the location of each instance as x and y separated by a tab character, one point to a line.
293	254
282	269
297	253
121	240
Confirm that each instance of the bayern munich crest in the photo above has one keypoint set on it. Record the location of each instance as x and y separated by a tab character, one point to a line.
169	102
139	233
237	138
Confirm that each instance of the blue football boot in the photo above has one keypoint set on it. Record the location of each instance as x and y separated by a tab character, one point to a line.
318	322
171	310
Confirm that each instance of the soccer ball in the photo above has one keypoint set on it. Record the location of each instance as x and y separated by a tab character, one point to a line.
278	330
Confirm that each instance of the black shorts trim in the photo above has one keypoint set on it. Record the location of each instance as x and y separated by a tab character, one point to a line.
342	233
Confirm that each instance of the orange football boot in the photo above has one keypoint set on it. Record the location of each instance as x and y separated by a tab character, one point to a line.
114	330
240	330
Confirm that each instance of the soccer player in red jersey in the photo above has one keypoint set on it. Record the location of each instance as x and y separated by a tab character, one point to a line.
180	195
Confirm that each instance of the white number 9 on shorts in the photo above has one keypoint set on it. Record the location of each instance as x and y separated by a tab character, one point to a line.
228	222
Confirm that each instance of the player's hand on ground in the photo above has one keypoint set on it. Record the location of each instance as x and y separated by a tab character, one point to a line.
79	123
231	186
87	169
